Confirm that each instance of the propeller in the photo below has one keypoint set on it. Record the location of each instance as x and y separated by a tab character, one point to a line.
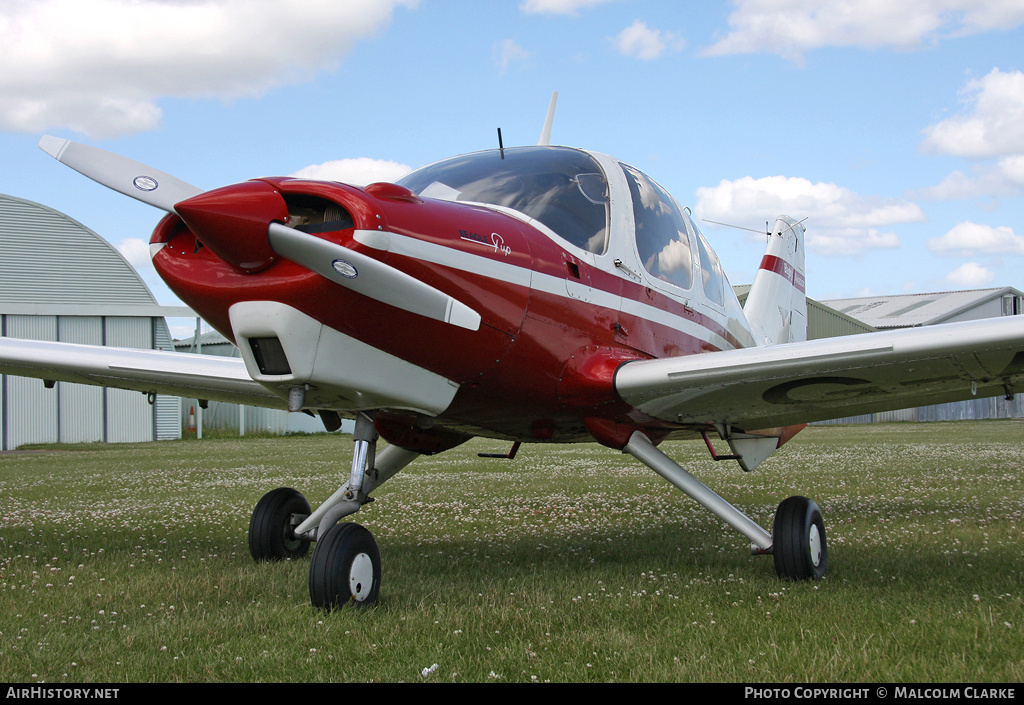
342	265
121	174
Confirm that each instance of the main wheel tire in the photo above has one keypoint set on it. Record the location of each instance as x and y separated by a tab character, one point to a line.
345	568
798	538
271	532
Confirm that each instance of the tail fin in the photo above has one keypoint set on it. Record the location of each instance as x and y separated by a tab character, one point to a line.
776	306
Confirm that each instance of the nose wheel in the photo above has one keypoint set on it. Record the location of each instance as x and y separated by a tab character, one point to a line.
345	568
345	565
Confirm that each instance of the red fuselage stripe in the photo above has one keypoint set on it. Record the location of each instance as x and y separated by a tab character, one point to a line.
785	270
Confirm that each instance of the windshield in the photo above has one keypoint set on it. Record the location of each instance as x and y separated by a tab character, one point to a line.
565	189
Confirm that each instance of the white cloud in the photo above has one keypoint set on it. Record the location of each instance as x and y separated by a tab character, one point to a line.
558	7
1003	178
792	27
136	251
100	66
640	41
840	221
849	242
990	130
994	125
970	276
509	52
359	171
971	239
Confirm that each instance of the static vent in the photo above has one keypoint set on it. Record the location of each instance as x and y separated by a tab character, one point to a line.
270	357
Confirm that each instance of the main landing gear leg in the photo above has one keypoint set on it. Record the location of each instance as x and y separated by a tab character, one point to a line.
345	566
798	544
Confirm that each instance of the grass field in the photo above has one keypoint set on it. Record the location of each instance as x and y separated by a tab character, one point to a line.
130	564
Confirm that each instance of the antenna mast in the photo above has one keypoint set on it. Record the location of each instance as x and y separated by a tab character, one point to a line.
545	134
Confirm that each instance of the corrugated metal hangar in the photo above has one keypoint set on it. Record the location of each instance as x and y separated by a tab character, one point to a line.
913	310
60	281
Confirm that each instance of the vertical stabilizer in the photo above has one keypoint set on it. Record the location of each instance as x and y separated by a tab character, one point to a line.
776	306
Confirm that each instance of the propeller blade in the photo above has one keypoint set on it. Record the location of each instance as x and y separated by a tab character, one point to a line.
127	176
370	277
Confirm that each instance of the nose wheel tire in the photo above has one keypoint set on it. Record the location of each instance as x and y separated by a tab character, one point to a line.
271	531
345	568
798	540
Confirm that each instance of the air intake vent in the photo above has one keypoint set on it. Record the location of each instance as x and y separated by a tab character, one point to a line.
270	357
312	214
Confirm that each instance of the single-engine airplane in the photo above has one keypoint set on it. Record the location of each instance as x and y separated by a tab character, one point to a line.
537	294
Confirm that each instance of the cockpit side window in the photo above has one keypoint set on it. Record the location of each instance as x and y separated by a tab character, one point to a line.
661	236
710	270
565	189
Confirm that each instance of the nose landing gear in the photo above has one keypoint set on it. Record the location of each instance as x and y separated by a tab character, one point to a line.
345	568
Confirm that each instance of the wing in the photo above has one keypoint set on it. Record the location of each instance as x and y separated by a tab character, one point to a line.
795	383
179	374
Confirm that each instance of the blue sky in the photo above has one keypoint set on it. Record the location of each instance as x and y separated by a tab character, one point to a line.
896	128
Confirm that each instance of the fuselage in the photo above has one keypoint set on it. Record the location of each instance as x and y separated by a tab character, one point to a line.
575	262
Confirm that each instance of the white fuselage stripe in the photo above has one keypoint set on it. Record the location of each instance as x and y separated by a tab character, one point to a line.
556	286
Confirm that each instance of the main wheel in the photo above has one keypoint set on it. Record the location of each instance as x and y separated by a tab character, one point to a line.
345	568
271	532
798	538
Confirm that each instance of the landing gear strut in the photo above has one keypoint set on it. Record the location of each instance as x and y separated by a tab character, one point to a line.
798	539
345	568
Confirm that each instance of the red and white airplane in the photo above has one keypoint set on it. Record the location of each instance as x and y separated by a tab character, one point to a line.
534	294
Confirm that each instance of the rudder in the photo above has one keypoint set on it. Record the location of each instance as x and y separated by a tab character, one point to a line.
776	307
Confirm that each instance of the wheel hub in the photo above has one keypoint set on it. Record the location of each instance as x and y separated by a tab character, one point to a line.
360	577
815	542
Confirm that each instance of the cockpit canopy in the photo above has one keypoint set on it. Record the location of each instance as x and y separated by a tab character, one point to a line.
562	188
567	191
